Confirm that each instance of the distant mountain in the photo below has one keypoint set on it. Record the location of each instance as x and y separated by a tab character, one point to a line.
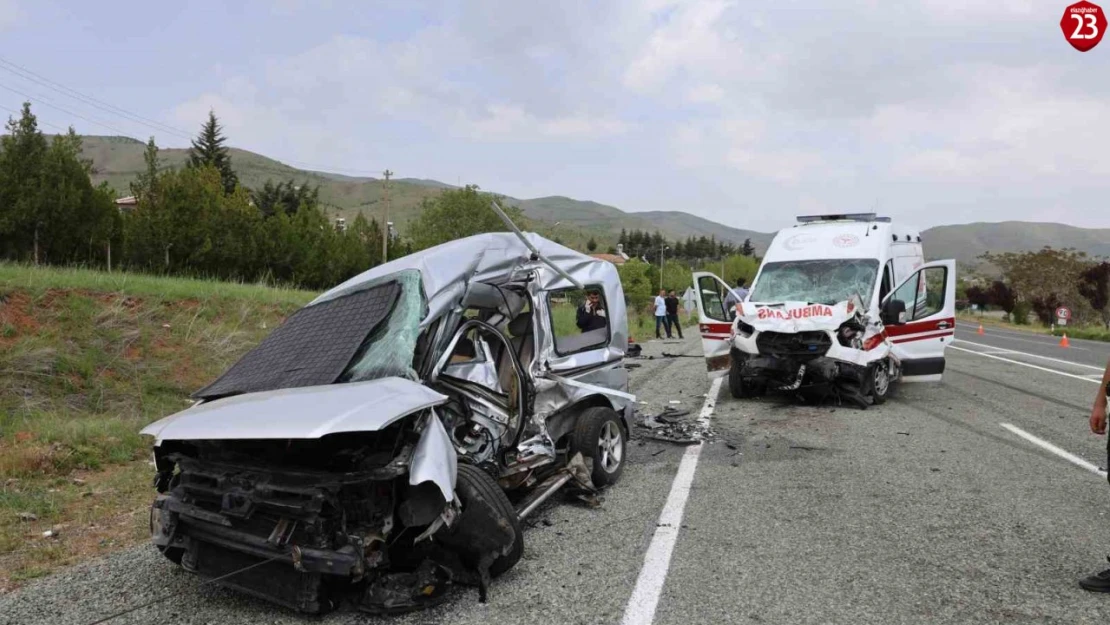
119	160
965	242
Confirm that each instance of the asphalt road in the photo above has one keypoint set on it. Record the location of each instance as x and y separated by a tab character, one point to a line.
924	510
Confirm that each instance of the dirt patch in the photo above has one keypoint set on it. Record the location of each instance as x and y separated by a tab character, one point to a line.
16	311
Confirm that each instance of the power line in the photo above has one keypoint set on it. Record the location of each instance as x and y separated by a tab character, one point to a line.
45	102
125	114
44	123
91	101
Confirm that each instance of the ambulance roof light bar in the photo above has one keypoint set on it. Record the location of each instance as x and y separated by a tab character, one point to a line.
808	219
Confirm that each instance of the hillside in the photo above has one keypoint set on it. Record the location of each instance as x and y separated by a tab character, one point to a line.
966	241
118	160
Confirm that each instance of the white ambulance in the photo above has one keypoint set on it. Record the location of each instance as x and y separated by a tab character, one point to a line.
842	306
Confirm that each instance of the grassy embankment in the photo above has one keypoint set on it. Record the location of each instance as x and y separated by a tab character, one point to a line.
86	360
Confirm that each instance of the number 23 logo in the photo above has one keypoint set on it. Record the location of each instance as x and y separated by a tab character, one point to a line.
1091	23
1083	24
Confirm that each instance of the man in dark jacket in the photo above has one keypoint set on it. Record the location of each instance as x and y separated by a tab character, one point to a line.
672	312
1099	582
591	314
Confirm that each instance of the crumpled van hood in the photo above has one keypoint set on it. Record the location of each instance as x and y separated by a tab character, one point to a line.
792	317
305	412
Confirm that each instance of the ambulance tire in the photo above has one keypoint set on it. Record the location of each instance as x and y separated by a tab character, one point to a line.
878	384
736	384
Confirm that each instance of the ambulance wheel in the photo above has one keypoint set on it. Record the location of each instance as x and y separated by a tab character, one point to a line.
878	383
736	384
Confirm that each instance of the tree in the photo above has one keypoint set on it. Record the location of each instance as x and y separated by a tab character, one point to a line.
1002	296
1094	285
208	149
1045	279
978	296
591	245
458	213
748	249
22	159
287	197
145	181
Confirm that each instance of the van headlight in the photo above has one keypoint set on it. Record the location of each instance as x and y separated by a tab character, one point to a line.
743	329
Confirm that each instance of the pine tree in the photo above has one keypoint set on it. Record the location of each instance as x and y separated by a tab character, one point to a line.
748	249
208	149
22	161
591	245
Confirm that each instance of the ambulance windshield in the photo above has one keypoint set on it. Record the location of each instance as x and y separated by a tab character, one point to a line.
817	281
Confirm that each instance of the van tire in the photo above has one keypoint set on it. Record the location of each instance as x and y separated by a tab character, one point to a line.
587	439
474	484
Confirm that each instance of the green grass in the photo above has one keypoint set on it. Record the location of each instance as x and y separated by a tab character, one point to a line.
87	359
1088	333
42	278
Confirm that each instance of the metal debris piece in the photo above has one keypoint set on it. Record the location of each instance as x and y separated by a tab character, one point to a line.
669	426
392	593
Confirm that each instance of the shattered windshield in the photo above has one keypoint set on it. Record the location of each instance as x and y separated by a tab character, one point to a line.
816	281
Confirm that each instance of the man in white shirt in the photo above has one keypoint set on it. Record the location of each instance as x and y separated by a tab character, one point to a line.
661	314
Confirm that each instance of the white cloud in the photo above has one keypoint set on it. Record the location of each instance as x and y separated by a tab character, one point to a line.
504	122
937	102
706	93
692	35
10	14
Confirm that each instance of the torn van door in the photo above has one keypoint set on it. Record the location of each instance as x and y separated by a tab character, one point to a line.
714	322
928	323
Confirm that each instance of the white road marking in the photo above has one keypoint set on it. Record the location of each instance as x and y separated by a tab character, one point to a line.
1024	364
1003	350
657	560
1050	340
1072	458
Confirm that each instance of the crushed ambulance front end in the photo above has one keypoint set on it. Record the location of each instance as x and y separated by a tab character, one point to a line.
815	350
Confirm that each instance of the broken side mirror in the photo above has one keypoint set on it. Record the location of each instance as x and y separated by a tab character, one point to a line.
894	312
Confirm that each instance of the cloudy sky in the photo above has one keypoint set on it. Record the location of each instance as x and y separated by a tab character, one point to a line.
935	111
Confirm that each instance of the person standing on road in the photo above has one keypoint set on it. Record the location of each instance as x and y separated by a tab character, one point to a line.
1099	582
672	313
661	314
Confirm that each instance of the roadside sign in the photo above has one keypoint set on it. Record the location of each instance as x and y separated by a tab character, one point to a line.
1083	24
1063	313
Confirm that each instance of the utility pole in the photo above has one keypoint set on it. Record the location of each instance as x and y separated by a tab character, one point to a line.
661	248
385	220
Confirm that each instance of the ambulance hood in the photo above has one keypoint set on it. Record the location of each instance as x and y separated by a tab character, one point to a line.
794	317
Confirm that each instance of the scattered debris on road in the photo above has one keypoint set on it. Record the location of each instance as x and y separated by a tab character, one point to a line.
670	426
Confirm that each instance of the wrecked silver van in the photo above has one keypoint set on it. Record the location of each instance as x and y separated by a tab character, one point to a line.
385	442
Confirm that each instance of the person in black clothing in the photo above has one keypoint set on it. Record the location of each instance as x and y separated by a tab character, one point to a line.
591	314
672	312
1099	582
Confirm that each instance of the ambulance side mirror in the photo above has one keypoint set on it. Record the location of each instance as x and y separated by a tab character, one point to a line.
894	312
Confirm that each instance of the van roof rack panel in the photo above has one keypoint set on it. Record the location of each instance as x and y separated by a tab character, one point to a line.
807	219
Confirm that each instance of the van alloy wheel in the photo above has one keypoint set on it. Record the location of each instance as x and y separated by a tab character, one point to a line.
609	447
